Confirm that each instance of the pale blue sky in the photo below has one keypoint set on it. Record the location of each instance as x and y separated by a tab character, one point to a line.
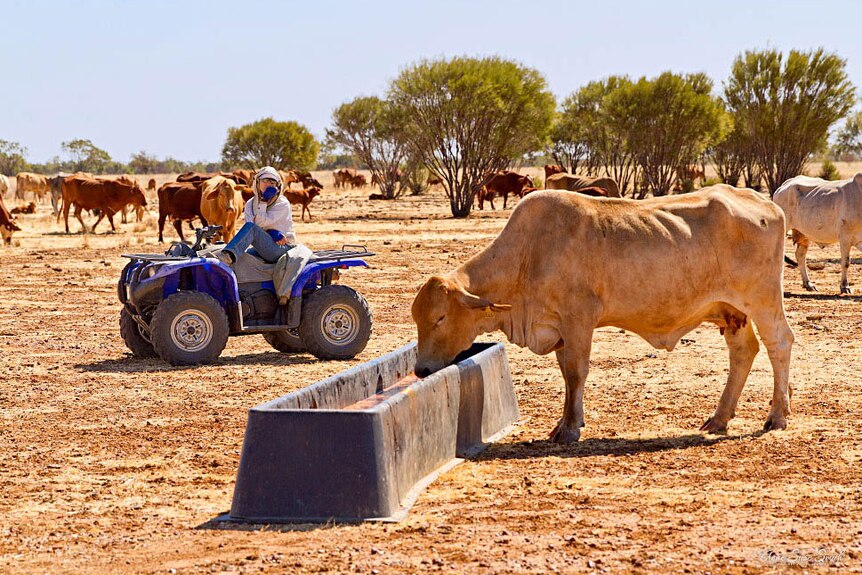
171	77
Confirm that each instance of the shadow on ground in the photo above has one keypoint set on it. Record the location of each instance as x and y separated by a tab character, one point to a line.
131	364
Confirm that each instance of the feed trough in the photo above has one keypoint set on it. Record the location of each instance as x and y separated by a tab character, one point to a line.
361	445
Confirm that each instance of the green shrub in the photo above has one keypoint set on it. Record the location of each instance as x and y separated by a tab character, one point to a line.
828	171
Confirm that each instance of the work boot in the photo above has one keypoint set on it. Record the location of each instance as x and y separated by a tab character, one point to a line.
225	257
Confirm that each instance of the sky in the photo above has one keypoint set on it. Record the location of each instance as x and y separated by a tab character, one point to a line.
170	77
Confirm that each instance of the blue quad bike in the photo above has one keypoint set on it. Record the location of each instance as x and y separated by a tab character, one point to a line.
182	306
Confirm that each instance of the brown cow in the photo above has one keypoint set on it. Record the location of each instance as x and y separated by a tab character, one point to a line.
151	185
303	197
358	181
343	177
434	181
26	209
243	177
551	169
574	183
109	197
246	192
179	201
30	182
219	204
503	183
7	224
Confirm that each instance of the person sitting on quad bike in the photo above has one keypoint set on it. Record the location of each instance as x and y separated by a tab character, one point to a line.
268	222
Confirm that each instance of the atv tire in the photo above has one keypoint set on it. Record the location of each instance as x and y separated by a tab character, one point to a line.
132	336
284	341
336	322
189	328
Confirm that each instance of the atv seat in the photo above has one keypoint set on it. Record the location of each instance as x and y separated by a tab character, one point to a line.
283	273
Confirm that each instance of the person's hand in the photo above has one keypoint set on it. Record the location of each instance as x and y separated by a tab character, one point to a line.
281	242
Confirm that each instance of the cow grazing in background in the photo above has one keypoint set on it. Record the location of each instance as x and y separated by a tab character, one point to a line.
246	192
551	169
503	183
29	182
180	201
302	197
243	177
7	224
343	177
151	185
566	264
358	181
107	196
220	204
825	213
575	183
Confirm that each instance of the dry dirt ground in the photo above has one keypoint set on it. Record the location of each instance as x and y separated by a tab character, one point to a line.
112	464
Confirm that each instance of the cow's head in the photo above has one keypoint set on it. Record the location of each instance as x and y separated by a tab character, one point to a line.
313	192
138	198
526	182
448	318
6	229
224	195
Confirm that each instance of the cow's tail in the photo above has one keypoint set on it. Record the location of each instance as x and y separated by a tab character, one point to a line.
790	262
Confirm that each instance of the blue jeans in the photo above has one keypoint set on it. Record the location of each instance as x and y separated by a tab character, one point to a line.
253	235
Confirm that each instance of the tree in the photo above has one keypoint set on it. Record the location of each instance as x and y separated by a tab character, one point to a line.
848	141
569	135
282	145
465	118
369	128
12	158
787	105
143	163
86	157
666	122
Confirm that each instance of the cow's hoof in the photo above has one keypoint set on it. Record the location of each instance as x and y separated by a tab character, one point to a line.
713	425
774	422
809	286
846	290
562	434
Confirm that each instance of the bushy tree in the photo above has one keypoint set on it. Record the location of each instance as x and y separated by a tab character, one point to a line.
570	136
282	145
467	117
370	128
12	158
666	122
786	105
86	157
143	163
848	141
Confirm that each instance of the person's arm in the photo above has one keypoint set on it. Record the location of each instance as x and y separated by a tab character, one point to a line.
279	217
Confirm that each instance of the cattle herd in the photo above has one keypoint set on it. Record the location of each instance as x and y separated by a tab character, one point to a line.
815	209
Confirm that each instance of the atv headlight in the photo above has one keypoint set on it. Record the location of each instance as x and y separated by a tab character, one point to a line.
151	270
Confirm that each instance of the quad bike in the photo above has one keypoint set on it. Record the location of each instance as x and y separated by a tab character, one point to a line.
183	305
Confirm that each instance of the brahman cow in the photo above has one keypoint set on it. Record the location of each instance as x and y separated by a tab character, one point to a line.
180	201
302	197
30	182
551	169
4	185
823	212
7	224
220	205
574	183
566	264
107	196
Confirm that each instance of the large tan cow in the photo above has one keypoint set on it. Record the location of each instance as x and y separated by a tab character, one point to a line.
4	185
7	224
30	182
574	183
221	204
823	212
566	264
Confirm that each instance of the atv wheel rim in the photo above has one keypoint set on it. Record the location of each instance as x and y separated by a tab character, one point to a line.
191	330
340	325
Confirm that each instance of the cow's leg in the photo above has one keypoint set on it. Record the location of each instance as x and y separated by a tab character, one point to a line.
778	339
66	206
505	199
178	225
162	218
845	243
574	359
802	244
99	219
78	210
123	214
742	346
111	220
306	208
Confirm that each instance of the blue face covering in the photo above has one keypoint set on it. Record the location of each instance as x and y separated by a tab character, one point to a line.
269	193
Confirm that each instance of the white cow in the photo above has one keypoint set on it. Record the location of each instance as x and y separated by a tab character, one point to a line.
823	212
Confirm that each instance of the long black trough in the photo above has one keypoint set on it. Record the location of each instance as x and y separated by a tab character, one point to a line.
362	444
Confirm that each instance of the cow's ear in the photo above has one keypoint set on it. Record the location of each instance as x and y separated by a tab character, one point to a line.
471	301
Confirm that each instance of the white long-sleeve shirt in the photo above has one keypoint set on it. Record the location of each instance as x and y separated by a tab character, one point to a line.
277	216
